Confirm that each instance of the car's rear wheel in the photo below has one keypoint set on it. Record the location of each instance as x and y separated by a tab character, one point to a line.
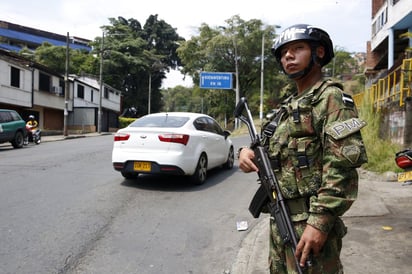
129	175
230	159
18	140
199	177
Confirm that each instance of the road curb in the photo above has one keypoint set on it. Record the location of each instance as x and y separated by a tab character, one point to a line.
253	251
53	138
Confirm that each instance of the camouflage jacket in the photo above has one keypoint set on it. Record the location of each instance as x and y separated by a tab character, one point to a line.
315	151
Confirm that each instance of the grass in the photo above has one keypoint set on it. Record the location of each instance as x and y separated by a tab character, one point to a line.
381	153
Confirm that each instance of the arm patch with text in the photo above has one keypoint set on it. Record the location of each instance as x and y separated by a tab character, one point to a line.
339	130
345	142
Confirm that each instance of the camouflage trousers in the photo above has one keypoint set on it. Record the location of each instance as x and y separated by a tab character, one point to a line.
281	259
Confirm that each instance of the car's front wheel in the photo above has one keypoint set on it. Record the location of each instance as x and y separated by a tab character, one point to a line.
18	140
199	177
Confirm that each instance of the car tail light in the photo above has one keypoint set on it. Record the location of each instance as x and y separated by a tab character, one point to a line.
174	138
121	137
118	166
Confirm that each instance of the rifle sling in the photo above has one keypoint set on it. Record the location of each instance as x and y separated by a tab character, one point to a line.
270	129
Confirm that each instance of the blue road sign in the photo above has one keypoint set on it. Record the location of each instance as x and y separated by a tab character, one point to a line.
216	80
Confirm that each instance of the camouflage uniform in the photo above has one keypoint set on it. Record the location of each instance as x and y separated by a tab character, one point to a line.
314	152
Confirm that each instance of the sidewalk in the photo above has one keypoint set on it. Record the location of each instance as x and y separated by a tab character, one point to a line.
52	138
379	238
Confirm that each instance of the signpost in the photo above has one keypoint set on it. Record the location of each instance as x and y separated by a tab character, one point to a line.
216	80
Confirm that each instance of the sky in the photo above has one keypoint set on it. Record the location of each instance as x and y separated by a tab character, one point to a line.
348	22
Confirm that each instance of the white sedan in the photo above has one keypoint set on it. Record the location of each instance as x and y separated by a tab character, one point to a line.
177	143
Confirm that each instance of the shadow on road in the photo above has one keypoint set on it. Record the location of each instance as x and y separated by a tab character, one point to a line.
178	183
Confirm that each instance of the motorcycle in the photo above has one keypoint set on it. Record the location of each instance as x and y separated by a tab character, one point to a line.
33	135
403	160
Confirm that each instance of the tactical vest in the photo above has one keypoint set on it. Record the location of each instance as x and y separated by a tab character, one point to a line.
296	149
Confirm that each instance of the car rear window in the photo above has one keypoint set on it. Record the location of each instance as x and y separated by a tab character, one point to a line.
160	121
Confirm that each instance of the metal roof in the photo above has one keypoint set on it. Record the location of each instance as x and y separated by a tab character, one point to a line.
36	39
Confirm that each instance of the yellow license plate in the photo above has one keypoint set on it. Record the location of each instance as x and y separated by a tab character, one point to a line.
142	166
405	176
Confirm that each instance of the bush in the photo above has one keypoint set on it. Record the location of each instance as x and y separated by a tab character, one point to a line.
124	122
381	153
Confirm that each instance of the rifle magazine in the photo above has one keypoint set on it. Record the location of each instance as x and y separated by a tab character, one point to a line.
259	200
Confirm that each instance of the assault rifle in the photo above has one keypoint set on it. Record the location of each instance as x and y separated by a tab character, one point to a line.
268	193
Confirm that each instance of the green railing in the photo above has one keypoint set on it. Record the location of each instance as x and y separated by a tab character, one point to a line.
395	87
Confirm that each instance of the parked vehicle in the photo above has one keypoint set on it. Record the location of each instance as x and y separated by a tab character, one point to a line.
404	160
177	143
12	128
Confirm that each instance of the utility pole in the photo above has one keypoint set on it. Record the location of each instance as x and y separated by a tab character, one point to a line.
99	112
237	122
150	92
262	62
66	89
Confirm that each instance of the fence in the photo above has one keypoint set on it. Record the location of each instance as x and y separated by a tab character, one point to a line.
395	87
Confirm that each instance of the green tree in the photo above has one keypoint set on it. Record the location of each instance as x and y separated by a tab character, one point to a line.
137	56
199	100
182	98
342	64
239	42
344	67
132	56
54	58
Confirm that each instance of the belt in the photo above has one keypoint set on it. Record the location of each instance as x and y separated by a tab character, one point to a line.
298	206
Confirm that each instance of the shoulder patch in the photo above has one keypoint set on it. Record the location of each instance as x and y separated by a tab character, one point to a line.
342	129
347	100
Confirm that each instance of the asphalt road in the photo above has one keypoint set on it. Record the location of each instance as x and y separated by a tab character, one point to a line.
65	210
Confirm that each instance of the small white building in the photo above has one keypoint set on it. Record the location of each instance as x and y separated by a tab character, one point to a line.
86	104
30	88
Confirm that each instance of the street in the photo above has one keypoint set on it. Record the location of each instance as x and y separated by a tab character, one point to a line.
65	210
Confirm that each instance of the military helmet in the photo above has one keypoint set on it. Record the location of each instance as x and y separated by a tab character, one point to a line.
308	33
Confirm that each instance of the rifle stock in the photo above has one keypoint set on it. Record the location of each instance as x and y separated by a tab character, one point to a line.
268	193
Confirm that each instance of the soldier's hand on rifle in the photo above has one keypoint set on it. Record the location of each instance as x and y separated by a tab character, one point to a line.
246	156
312	241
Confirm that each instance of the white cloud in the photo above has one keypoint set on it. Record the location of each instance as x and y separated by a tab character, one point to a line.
348	22
175	78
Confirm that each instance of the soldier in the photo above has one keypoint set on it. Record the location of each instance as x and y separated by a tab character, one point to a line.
314	153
